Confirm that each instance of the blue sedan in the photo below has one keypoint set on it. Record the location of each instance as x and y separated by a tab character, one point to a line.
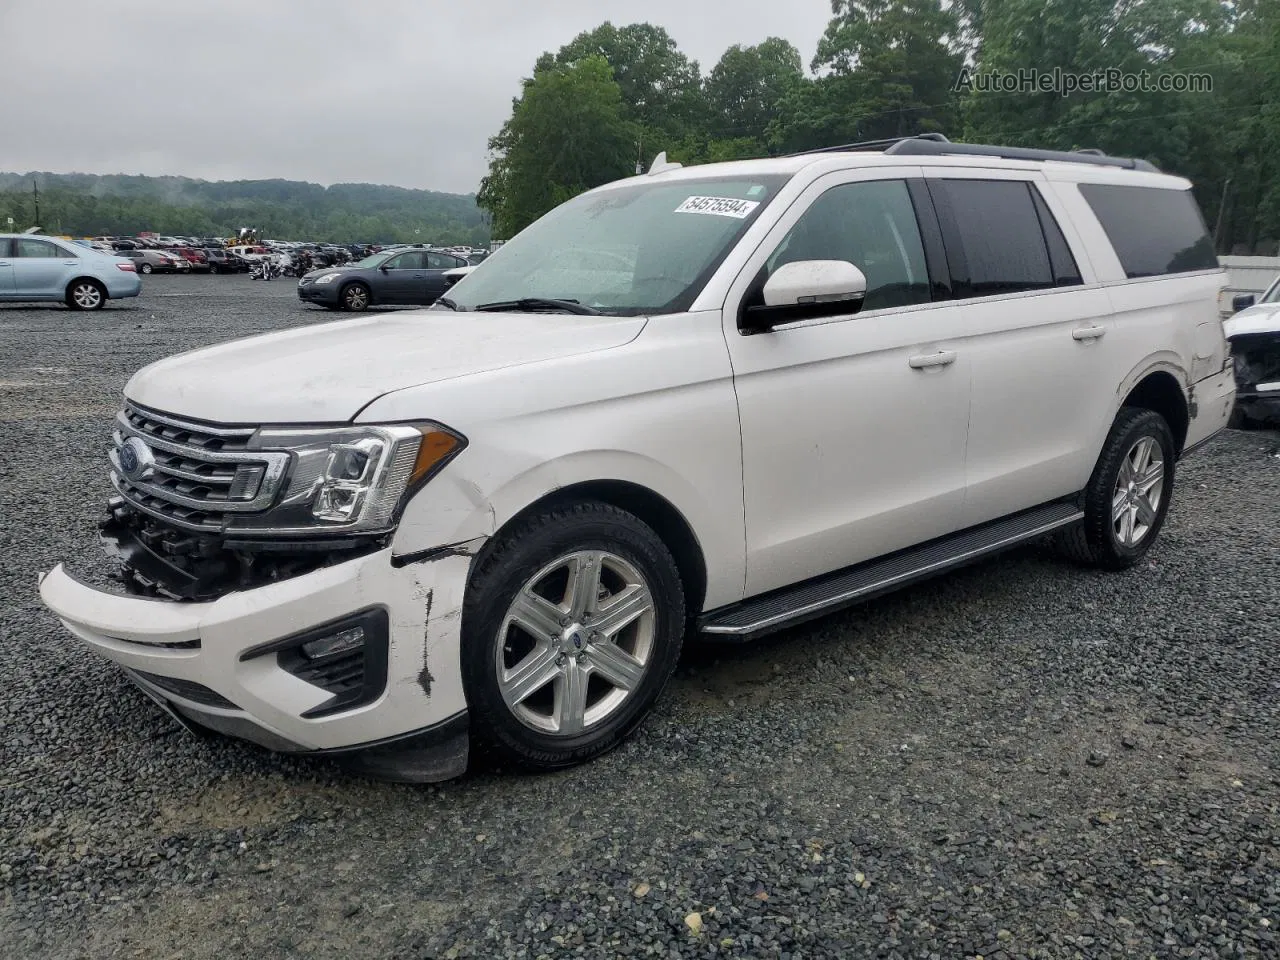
41	268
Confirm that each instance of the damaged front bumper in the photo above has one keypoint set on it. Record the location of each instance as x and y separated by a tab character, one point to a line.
358	659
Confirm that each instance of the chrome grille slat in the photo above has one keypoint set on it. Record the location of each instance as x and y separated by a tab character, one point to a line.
196	470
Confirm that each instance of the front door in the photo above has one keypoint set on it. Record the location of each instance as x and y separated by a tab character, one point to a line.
404	279
40	268
853	427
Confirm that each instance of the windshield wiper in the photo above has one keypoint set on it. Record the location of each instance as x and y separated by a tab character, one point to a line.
533	304
446	302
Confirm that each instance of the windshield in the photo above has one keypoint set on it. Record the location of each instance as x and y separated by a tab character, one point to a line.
369	262
637	249
1273	293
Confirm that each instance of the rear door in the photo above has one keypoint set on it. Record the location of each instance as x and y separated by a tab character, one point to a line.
438	265
41	269
6	268
1037	324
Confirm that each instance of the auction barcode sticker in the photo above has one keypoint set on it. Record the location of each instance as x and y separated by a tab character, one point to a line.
719	207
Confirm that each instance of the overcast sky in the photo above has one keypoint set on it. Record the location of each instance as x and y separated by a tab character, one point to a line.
404	92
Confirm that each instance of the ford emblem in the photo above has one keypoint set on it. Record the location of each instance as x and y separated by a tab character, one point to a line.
137	462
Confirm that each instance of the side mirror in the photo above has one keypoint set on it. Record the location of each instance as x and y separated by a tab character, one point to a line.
384	268
804	290
1242	301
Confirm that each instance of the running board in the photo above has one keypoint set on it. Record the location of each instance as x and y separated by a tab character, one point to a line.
833	591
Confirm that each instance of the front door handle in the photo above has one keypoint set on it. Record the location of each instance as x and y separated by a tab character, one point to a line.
942	358
1085	334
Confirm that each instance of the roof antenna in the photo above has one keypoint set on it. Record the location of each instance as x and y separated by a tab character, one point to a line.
661	165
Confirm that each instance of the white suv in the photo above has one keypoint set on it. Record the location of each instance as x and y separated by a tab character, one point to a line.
720	400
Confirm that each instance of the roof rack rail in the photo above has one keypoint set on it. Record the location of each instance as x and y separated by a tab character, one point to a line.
936	144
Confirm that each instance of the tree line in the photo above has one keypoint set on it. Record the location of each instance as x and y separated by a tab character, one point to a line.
90	205
608	101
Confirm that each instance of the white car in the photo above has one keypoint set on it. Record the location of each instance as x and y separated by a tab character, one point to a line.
1254	334
823	377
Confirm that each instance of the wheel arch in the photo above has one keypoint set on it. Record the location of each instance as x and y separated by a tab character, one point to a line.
66	292
652	508
1160	391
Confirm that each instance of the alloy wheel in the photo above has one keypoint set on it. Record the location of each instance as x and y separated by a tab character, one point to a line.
576	643
1135	502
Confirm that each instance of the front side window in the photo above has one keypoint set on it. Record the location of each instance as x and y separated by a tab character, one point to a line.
872	225
638	249
1154	231
43	249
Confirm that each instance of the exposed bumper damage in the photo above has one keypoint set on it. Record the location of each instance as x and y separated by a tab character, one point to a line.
1257	364
357	658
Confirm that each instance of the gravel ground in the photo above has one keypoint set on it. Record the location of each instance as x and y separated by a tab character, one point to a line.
1020	760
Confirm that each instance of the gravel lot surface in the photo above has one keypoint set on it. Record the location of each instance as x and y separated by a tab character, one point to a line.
1020	760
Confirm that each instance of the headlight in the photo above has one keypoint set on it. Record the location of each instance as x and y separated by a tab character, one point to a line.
349	479
328	278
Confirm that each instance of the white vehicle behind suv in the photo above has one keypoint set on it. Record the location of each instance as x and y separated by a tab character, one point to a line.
721	399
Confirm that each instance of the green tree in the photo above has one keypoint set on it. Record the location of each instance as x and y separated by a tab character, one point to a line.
886	69
745	90
661	87
567	134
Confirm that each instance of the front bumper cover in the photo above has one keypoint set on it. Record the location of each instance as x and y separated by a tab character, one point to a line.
196	650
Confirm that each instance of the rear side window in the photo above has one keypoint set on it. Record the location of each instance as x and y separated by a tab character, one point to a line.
1154	232
38	249
995	243
1065	271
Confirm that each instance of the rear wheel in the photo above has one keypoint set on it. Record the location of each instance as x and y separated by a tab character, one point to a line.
571	628
1128	495
355	297
86	295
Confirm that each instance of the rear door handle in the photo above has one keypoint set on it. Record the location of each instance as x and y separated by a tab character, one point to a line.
1085	334
924	361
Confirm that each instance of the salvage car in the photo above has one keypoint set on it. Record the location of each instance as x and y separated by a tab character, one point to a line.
1254	334
824	377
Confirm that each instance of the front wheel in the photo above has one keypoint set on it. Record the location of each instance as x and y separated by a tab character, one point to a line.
146	268
355	297
1128	495
86	295
571	628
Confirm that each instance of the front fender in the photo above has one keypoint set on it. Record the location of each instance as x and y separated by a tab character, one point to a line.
465	507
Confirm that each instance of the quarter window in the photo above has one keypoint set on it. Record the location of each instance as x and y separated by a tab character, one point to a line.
871	224
1154	231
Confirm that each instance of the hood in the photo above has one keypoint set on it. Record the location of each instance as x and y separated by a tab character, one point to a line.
326	373
1261	318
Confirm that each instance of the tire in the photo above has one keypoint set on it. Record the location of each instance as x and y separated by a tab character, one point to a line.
85	294
1241	420
1121	521
550	728
145	268
355	297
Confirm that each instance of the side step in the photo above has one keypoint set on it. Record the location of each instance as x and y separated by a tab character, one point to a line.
833	591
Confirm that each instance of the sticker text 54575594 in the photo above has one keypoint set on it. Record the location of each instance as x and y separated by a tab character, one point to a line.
719	207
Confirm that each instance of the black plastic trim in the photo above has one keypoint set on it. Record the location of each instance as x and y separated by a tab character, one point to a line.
376	624
935	251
